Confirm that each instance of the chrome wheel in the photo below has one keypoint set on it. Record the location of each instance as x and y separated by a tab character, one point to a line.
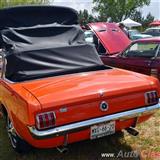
11	133
17	143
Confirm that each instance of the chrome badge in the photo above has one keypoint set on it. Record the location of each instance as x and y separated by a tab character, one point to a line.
64	109
104	106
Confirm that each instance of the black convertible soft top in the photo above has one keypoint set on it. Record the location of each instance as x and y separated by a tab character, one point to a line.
45	50
27	16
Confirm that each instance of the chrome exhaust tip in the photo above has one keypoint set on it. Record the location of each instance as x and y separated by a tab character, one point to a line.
132	131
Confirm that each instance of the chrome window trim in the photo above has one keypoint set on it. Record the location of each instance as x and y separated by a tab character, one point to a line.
4	62
74	127
157	52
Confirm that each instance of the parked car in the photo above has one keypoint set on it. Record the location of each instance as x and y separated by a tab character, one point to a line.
55	90
142	56
135	34
108	38
153	31
88	34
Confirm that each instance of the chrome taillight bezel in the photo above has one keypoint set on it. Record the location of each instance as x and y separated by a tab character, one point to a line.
151	97
52	122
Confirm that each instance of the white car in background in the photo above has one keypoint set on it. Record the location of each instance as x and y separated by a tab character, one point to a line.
153	31
135	34
88	36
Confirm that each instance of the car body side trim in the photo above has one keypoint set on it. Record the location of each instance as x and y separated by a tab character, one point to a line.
74	127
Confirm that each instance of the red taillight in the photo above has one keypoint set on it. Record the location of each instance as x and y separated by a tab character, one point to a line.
151	97
45	120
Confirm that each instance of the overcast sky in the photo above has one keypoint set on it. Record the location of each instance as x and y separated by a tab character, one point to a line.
154	7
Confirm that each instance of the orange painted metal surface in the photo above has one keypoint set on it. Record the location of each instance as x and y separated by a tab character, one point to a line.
80	94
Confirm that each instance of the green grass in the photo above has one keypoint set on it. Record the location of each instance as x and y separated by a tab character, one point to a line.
148	139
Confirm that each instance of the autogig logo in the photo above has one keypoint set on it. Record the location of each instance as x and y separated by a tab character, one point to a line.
150	154
144	154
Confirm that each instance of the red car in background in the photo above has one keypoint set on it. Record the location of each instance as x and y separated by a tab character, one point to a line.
142	56
108	38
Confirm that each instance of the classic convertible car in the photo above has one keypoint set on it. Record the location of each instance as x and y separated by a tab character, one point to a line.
142	56
55	90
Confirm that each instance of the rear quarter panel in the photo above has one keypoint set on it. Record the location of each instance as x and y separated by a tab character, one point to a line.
20	105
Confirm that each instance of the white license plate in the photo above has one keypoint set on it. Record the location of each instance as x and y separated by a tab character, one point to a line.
103	129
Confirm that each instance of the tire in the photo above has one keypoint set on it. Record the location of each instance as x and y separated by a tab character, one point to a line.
19	145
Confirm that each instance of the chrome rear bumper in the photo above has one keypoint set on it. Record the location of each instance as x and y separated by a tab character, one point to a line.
74	127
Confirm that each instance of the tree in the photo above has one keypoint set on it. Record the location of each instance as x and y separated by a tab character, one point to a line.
117	10
145	21
8	3
85	17
149	18
137	16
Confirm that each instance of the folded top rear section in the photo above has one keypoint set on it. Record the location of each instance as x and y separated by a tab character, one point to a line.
27	16
49	48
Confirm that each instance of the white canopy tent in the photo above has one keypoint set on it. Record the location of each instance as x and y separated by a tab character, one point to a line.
130	23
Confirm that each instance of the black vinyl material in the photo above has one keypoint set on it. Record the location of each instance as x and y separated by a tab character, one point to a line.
27	16
47	50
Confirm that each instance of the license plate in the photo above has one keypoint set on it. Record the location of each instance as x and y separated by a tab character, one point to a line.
103	129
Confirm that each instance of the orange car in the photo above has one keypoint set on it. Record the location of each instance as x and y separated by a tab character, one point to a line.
54	89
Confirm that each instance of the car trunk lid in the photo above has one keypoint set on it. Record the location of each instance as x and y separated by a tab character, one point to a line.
78	97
